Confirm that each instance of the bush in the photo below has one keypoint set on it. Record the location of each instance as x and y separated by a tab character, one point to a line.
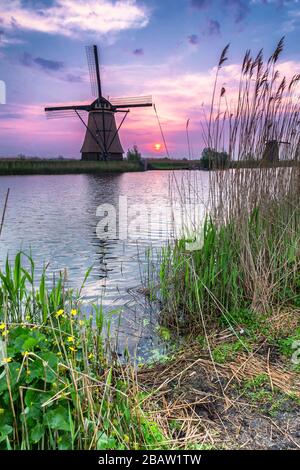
212	159
57	389
133	155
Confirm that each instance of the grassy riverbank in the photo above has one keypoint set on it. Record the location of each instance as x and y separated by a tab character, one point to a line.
59	167
235	294
233	300
247	257
171	164
60	386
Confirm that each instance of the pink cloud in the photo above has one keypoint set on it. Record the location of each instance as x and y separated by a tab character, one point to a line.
185	95
71	18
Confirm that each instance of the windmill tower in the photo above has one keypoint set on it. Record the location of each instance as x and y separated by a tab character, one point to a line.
101	140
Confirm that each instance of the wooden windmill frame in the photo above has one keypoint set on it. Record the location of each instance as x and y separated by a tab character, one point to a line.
101	140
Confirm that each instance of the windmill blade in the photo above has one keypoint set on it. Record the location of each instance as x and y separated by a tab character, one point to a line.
60	114
57	112
132	102
93	64
92	70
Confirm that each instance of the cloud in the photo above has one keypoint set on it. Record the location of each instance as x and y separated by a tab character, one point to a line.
72	78
279	3
240	9
193	39
200	4
293	21
213	28
8	39
45	64
187	95
8	116
139	51
51	67
71	18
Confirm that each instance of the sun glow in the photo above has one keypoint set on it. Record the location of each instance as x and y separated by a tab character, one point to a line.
157	147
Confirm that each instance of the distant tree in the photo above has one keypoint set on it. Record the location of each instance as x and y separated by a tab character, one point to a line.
133	155
213	159
21	156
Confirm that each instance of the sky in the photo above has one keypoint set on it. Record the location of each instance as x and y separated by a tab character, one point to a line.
165	48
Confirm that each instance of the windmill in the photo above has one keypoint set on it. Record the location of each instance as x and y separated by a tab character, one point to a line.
101	140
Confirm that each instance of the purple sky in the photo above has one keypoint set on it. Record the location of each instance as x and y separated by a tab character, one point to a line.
164	48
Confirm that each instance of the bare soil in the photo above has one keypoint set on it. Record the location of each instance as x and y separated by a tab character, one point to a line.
224	405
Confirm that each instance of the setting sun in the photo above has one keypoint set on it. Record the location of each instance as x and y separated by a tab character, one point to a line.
157	147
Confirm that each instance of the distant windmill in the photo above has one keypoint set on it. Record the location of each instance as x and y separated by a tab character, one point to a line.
101	140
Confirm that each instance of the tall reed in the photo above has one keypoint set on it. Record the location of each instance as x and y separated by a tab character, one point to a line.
250	256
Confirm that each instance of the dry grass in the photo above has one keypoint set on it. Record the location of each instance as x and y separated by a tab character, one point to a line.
200	396
210	403
250	256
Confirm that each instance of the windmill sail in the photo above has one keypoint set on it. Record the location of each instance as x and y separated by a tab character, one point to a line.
93	64
132	102
65	111
101	140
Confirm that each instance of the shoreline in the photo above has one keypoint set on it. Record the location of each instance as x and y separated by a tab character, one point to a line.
11	167
60	167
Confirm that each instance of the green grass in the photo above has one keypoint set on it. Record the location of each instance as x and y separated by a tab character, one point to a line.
168	164
60	167
249	260
270	402
227	351
58	388
242	267
37	167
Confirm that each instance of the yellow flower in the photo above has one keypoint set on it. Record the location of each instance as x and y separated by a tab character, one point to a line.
72	349
2	326
81	322
6	360
74	312
5	333
28	372
25	353
59	353
91	356
59	312
70	339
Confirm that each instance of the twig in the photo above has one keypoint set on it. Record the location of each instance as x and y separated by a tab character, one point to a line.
4	210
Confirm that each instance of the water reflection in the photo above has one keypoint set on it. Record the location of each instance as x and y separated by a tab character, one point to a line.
55	217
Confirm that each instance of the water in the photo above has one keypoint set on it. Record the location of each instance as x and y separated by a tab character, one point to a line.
56	218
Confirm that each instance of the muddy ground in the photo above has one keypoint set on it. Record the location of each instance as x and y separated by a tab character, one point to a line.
249	402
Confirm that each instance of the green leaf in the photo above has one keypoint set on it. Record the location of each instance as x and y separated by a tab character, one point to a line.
5	430
29	344
37	433
64	443
58	419
104	442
